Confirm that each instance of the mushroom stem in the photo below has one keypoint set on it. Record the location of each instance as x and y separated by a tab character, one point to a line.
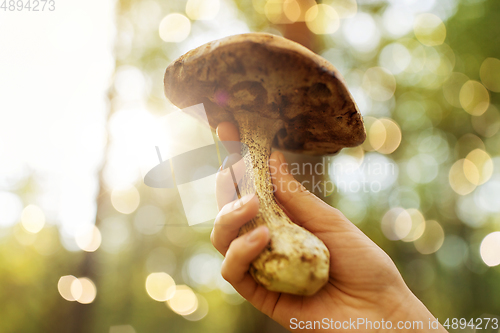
295	261
257	134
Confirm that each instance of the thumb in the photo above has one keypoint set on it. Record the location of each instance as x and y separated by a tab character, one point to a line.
308	210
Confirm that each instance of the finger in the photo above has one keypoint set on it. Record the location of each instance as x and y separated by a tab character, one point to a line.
307	209
230	219
228	132
241	253
227	179
225	191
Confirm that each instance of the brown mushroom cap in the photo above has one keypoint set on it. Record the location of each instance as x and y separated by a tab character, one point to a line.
275	78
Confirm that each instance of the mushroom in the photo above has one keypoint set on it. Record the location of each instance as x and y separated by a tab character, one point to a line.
279	94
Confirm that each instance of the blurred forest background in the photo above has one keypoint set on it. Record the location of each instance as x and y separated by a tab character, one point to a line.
426	77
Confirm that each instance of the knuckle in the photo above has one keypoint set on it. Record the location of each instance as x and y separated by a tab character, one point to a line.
224	271
218	218
223	217
212	236
338	213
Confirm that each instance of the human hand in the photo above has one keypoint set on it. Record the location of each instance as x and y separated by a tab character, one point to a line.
364	283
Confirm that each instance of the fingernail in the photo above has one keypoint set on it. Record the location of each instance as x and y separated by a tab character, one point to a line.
253	236
242	201
231	160
247	197
223	166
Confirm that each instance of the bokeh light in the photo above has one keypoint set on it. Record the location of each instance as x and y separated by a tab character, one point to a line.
33	218
376	134
160	286
357	152
490	74
407	225
184	301
125	200
459	175
83	290
469	212
484	166
418	60
369	122
486	197
393	136
322	19
88	238
429	29
396	223
434	142
397	21
273	10
490	249
432	239
64	287
174	28
422	168
467	143
361	32
446	59
130	85
203	269
283	11
201	311
474	98
76	289
395	57
417	225
379	83
202	9
345	8
292	10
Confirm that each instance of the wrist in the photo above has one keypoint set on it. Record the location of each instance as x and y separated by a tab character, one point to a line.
412	316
